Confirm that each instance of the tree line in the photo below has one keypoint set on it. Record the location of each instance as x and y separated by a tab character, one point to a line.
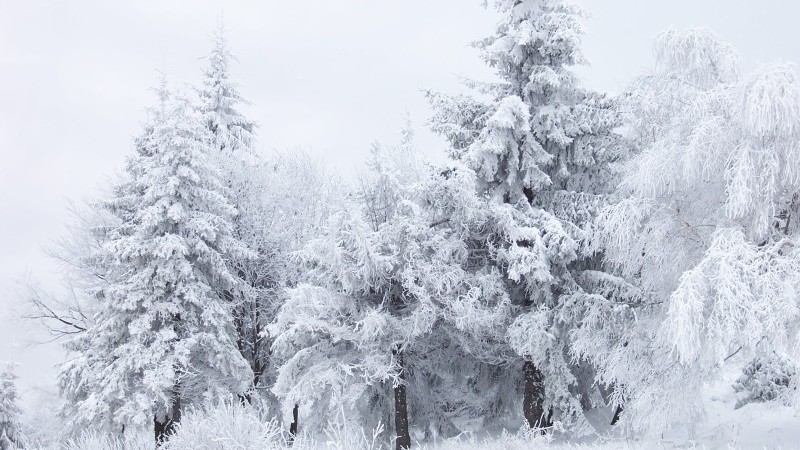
574	251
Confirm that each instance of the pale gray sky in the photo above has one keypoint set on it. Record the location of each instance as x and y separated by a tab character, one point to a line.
324	76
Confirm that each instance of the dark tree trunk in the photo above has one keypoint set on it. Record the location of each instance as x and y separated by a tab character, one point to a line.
533	398
258	364
617	413
403	441
293	425
164	428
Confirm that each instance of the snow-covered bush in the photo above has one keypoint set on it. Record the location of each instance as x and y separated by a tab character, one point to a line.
766	377
95	440
523	439
344	434
226	426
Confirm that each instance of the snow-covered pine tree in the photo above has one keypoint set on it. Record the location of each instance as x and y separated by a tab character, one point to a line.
78	252
163	339
708	236
10	413
542	146
243	173
86	269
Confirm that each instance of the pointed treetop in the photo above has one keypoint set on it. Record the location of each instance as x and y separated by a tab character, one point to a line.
162	91
407	131
220	56
220	97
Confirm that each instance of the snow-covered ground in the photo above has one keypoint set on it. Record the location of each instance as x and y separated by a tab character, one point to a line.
754	426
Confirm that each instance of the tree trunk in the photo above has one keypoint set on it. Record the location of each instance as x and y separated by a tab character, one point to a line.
164	428
403	441
617	413
293	425
533	398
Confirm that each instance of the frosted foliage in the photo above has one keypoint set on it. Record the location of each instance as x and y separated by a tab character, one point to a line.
535	33
540	129
291	197
163	333
771	103
688	63
709	231
395	271
506	152
10	413
369	293
738	294
696	57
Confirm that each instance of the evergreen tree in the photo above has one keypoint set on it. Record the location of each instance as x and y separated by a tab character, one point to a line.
242	172
10	430
263	275
163	338
544	147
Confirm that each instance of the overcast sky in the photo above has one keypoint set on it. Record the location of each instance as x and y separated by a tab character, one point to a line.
325	76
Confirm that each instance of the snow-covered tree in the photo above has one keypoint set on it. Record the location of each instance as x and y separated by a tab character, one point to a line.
705	235
543	148
363	331
280	202
286	203
243	173
10	413
163	338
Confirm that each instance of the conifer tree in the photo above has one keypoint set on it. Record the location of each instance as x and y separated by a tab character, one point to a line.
261	275
543	146
163	338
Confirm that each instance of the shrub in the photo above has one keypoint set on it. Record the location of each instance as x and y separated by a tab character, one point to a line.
226	426
765	378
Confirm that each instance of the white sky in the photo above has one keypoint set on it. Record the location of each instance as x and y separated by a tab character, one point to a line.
327	77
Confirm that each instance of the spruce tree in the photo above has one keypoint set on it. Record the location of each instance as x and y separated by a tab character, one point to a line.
244	175
542	146
220	99
163	338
